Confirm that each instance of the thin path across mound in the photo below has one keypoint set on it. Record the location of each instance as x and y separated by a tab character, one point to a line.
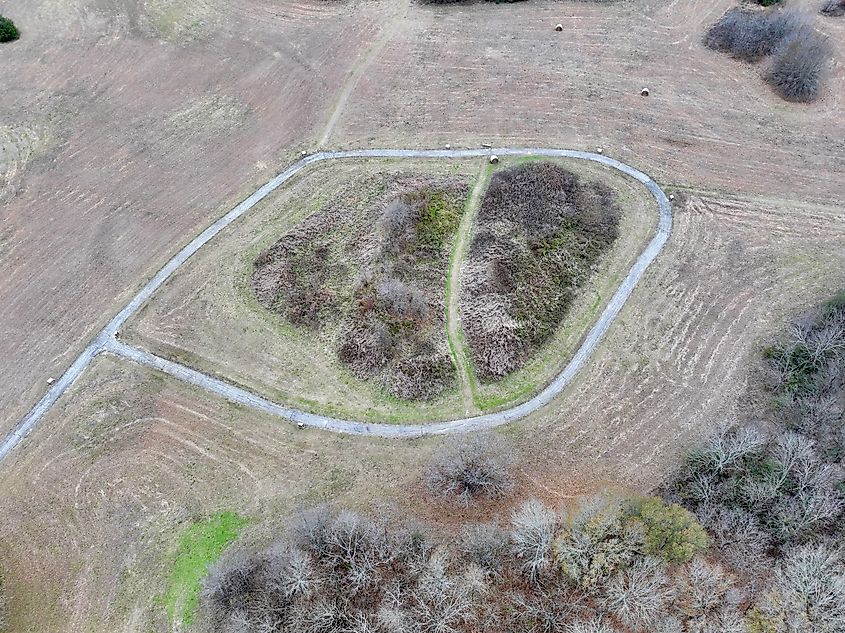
106	340
454	330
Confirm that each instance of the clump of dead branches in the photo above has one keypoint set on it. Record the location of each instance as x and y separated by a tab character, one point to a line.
540	232
366	273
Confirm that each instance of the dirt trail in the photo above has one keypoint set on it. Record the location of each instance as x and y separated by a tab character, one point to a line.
359	68
454	329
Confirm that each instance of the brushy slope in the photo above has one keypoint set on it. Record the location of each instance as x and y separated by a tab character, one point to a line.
539	234
367	274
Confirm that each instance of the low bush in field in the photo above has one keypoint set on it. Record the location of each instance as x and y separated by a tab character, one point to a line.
752	35
8	31
540	231
799	54
799	65
469	469
833	8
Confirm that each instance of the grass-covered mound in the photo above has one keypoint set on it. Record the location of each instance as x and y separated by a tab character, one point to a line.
367	274
540	232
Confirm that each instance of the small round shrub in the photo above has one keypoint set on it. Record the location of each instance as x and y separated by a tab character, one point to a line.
798	66
8	31
670	531
470	469
833	8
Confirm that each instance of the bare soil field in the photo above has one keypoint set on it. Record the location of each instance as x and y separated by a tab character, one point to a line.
126	127
95	499
207	315
502	74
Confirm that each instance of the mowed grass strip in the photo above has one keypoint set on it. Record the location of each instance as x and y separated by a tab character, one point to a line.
200	545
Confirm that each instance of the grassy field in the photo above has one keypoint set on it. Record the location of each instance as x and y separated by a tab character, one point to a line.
199	546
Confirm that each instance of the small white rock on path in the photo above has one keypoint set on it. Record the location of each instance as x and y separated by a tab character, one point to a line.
106	340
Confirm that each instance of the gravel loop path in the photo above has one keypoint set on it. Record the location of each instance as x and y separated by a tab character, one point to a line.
107	341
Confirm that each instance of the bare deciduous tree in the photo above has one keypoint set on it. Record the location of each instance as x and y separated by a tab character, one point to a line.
808	592
640	594
469	469
532	532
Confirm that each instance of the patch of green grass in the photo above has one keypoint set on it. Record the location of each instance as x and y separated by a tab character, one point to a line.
200	545
439	219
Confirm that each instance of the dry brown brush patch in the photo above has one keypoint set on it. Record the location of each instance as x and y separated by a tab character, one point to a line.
799	53
366	273
799	65
469	469
539	234
833	8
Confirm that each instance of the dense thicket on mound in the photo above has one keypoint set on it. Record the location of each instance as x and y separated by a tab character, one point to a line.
367	273
799	54
8	31
540	231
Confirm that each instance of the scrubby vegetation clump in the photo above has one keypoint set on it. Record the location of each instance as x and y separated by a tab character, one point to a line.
469	469
541	230
366	274
799	65
833	8
8	31
799	54
752	35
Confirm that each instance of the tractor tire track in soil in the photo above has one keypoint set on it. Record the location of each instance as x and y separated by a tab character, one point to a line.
107	341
